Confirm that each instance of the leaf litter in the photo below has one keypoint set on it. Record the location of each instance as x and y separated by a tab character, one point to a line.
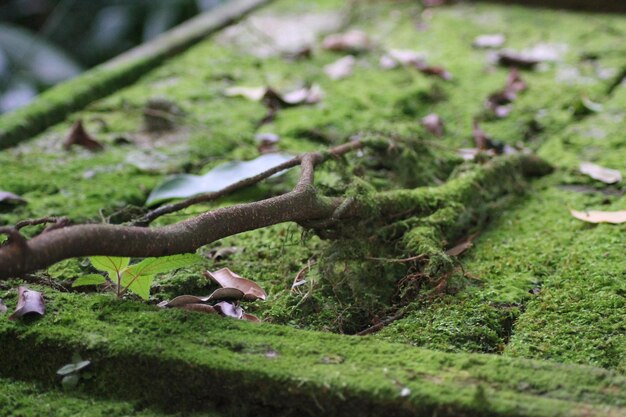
354	41
233	289
78	136
29	302
341	68
595	216
600	173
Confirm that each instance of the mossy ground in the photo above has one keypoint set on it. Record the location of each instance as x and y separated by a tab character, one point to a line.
543	285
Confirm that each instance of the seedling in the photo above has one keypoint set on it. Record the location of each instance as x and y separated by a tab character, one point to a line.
137	277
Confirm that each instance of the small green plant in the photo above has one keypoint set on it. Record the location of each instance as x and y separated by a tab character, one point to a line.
71	372
137	277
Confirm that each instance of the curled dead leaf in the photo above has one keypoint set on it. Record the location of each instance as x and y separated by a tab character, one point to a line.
202	308
229	310
355	41
232	294
183	300
597	172
250	317
433	124
29	302
499	103
228	279
401	57
79	136
341	68
517	59
495	40
10	198
593	216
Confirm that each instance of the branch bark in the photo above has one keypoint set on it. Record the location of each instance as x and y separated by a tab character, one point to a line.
302	205
20	256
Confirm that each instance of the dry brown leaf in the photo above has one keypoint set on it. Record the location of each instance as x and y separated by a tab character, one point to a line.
518	59
352	41
223	253
202	308
233	294
597	172
79	136
494	40
183	300
10	198
462	246
250	317
433	124
29	302
341	68
229	310
436	71
500	102
592	216
228	279
403	57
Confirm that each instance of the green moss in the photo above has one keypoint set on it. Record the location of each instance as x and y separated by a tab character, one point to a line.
201	360
24	399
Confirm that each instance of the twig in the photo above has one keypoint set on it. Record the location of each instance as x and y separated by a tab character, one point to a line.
383	323
308	161
58	222
402	260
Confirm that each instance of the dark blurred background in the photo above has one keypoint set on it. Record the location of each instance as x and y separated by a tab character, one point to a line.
43	42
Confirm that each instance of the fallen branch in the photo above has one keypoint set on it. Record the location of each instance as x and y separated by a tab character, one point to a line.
302	205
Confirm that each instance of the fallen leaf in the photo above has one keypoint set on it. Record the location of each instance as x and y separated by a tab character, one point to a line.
351	41
341	68
306	95
500	102
597	172
10	198
468	154
79	136
202	308
253	318
228	279
29	302
436	71
403	57
613	217
481	139
232	294
407	58
187	185
433	124
495	40
223	253
183	300
517	59
462	246
3	307
229	310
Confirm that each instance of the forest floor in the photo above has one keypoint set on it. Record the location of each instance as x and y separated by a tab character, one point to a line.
525	319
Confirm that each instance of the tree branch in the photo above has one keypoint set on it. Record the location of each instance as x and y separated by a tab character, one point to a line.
302	204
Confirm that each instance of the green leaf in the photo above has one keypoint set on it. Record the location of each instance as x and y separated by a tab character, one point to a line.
186	185
139	284
152	266
110	264
91	279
